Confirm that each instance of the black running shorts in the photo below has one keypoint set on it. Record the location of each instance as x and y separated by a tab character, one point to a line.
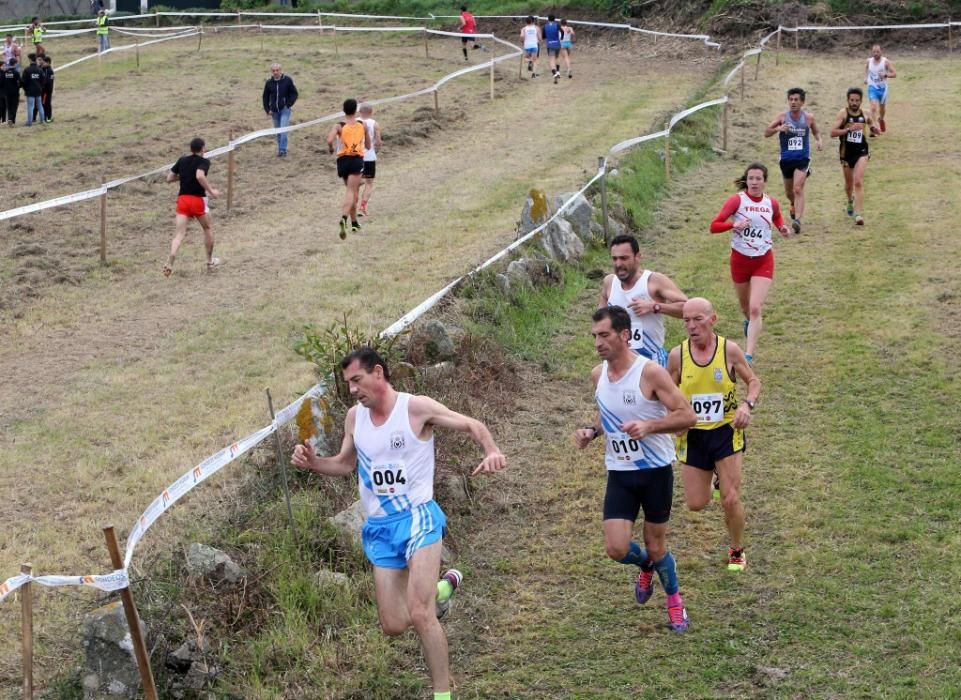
789	166
349	165
630	491
370	169
702	448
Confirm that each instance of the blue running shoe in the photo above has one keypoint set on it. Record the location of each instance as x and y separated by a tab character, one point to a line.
644	588
749	358
746	324
850	207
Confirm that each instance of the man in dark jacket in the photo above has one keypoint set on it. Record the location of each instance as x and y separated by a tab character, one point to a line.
46	98
33	80
9	92
279	96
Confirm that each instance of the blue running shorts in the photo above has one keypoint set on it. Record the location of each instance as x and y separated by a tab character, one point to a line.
391	540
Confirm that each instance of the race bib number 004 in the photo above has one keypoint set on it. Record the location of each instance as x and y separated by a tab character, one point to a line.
389	479
708	407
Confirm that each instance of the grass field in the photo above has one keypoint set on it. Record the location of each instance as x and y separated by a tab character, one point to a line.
851	478
117	380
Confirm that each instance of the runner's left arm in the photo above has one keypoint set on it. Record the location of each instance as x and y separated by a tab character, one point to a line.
680	416
426	411
742	368
889	71
669	295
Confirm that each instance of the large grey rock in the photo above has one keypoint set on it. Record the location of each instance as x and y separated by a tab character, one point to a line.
326	577
431	343
579	214
196	672
110	667
534	213
350	520
213	564
560	242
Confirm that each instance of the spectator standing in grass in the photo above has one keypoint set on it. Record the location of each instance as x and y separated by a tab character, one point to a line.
46	96
9	93
103	32
33	79
279	97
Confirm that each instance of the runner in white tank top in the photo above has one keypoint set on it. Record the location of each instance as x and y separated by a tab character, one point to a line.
647	297
531	36
639	407
370	155
877	71
389	439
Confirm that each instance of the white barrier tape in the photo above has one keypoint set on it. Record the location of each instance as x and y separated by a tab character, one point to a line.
733	72
51	203
137	30
290	411
183	35
105	582
459	34
696	108
470	69
53	33
933	25
375	29
188	481
766	39
624	145
298	27
752	52
168	35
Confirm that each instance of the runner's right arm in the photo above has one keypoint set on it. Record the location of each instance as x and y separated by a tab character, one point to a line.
775	126
839	129
721	223
584	436
339	465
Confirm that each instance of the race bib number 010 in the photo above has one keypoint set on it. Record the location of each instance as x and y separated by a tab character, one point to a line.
625	448
389	479
708	407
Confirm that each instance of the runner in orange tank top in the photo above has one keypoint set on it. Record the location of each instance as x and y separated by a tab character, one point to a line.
354	140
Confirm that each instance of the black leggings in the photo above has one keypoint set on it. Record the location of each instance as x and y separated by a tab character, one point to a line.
8	107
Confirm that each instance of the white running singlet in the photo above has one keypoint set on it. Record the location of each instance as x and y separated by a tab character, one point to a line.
530	36
647	331
394	466
755	240
371	126
620	402
876	74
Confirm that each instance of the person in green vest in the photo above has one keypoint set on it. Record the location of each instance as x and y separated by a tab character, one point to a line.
36	31
103	35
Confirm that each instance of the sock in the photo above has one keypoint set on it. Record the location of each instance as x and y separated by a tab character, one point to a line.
667	572
749	358
636	555
674	600
442	696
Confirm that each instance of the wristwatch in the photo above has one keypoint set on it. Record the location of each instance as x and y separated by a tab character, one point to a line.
594	428
657	308
750	404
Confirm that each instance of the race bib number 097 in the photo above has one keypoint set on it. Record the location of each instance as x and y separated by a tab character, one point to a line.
708	407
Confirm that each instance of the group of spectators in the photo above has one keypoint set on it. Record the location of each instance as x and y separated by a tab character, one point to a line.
35	79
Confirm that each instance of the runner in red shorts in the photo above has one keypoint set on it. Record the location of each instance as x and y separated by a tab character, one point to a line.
755	215
191	171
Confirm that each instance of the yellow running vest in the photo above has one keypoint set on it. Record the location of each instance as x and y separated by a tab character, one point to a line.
710	389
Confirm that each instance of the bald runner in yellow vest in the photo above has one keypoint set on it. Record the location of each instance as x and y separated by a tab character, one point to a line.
706	367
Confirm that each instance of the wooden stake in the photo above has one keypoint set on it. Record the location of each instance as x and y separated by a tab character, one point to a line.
238	18
724	128
757	66
26	626
436	104
230	172
950	38
796	33
667	153
133	619
283	465
261	38
320	22
138	53
520	68
103	223
336	50
426	50
156	16
600	164
493	54
200	37
743	71
777	50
